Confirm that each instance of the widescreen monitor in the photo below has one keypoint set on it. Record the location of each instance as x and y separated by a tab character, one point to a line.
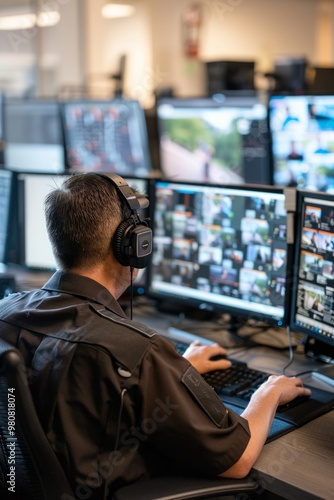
5	204
221	139
108	136
313	297
302	135
32	135
35	250
221	249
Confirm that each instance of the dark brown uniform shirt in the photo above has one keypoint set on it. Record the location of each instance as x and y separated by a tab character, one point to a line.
116	400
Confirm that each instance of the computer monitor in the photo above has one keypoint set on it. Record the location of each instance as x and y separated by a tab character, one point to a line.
302	135
5	205
220	249
32	135
312	311
35	248
106	136
290	74
229	75
221	139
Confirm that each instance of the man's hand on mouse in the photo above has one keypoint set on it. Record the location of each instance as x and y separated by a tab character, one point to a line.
200	356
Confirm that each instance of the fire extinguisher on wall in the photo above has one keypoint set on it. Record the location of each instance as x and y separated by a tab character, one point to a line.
191	28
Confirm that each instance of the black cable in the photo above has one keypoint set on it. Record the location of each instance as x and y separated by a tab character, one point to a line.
290	350
131	292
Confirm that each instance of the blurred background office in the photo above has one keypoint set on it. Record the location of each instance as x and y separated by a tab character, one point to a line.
64	47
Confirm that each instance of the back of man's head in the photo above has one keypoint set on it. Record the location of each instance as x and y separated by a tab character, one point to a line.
81	218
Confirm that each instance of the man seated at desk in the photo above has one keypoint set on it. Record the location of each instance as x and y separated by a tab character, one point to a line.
116	401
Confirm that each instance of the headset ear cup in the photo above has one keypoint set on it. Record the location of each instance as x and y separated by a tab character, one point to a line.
119	244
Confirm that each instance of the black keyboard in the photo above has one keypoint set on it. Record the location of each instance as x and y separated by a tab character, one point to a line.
239	380
236	384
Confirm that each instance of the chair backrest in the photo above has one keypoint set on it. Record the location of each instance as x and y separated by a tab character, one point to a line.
28	464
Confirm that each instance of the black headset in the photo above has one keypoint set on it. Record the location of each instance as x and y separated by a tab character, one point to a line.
132	241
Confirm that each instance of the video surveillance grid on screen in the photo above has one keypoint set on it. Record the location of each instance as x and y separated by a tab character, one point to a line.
302	136
312	311
106	136
224	248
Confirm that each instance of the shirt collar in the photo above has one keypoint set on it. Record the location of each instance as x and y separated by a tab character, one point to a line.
82	286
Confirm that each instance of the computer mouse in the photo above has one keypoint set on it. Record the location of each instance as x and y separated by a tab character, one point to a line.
217	357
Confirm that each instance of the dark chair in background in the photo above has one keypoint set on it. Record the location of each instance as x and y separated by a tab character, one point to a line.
38	474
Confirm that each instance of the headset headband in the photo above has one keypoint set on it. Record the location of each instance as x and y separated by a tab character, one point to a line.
127	194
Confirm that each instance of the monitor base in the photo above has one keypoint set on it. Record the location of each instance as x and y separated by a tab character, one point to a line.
186	312
315	348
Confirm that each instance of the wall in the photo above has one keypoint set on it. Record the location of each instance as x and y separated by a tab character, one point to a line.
62	48
41	61
258	30
107	40
325	33
85	48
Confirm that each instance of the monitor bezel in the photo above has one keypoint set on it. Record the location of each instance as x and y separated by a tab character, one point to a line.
7	223
179	303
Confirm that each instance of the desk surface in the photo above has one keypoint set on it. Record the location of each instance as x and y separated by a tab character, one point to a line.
299	465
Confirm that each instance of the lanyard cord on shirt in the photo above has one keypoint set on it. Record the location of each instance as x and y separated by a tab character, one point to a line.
119	421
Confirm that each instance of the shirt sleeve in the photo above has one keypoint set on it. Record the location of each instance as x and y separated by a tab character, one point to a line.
184	417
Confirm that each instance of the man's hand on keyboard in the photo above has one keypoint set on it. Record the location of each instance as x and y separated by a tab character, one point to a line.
200	356
260	412
288	388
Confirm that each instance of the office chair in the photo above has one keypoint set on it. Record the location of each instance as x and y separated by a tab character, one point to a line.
38	474
186	487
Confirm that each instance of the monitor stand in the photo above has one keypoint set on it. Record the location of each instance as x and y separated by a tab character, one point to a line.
317	349
196	314
326	376
261	333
